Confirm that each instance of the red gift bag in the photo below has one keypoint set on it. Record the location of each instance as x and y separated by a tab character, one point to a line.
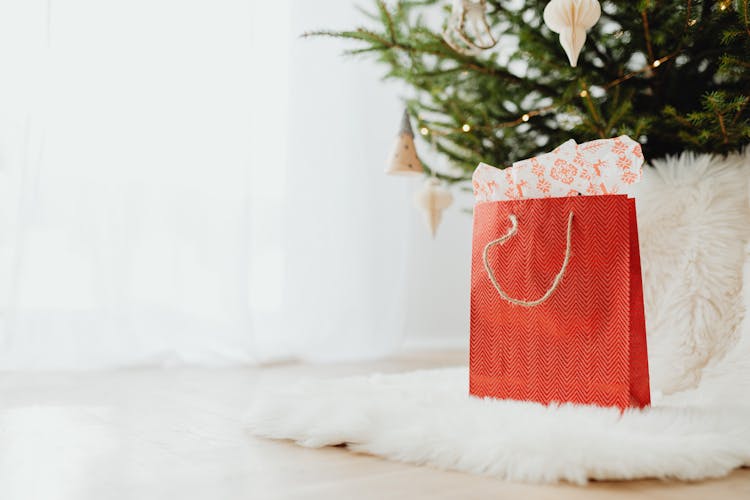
557	302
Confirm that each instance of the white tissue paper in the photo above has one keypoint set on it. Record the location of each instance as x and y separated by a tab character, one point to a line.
604	166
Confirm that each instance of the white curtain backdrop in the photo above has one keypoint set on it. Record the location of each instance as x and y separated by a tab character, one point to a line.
191	182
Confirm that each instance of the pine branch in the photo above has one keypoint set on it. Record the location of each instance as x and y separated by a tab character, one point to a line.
647	33
745	6
528	100
739	111
712	101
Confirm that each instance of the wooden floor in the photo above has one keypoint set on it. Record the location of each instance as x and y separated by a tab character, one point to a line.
178	434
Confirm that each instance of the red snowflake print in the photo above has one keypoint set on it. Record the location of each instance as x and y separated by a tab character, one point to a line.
593	145
619	147
537	168
624	163
629	177
563	171
483	191
543	186
578	159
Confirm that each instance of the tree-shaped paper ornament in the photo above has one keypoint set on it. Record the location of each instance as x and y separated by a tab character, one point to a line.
404	159
431	200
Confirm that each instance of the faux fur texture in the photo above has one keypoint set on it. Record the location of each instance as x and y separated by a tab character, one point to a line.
426	417
694	222
693	218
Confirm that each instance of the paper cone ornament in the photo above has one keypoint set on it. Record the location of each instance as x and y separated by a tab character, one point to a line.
431	200
570	19
404	159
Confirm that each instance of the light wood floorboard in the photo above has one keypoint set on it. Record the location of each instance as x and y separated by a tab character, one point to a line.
178	434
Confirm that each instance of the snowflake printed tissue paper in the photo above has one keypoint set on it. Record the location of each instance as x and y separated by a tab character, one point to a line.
604	166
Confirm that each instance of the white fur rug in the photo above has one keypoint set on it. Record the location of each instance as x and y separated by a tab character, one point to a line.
694	222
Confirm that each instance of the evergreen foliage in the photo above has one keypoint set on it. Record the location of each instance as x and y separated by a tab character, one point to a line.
673	74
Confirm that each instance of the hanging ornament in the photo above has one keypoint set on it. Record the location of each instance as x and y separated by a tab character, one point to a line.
571	19
404	159
432	199
467	30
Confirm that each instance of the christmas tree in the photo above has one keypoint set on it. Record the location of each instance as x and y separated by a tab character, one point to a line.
674	75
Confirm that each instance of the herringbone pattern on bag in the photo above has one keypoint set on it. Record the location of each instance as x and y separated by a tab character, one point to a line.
574	347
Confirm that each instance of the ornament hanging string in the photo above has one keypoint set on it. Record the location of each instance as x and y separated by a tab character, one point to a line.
469	13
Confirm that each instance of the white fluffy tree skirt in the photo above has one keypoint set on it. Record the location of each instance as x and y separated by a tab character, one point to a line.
427	417
693	224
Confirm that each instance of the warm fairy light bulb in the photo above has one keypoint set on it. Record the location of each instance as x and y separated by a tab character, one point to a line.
723	5
424	131
466	127
584	93
692	22
656	64
525	118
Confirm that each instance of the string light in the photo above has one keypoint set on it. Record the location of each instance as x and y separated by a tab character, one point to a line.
645	69
584	93
724	5
692	22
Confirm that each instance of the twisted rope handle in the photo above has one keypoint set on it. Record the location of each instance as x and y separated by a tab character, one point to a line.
555	283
